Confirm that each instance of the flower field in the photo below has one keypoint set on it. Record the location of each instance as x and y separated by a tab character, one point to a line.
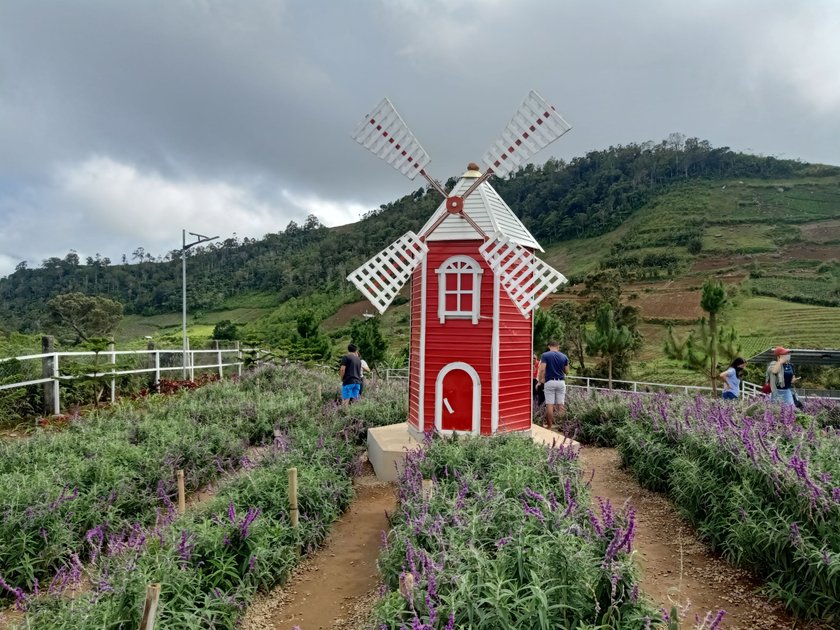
506	540
88	515
761	485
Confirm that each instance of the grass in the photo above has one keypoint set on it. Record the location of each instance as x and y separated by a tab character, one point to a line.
741	239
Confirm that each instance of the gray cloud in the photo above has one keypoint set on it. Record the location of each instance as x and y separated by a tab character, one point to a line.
122	122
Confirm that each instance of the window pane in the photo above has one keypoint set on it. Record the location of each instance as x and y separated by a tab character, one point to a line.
466	281
451	281
467	302
451	302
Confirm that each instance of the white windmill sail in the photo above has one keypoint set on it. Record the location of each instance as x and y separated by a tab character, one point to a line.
526	279
385	134
381	278
534	126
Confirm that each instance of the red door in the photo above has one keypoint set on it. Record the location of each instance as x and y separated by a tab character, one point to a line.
457	404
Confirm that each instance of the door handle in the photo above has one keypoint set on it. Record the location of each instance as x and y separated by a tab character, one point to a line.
447	405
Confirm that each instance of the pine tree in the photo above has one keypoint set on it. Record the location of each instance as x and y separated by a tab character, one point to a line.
712	301
366	335
608	340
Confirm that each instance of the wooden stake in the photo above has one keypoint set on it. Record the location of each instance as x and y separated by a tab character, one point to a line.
150	607
428	489
293	496
182	502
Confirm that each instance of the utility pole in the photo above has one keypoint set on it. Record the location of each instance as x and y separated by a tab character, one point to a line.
200	238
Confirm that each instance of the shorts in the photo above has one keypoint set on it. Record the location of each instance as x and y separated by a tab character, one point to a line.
555	392
349	392
730	395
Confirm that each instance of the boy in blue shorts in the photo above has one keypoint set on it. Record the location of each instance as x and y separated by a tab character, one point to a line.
351	375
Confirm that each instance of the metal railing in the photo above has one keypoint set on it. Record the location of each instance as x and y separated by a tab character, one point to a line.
178	361
748	390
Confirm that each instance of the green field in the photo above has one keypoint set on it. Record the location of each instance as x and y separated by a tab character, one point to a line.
764	322
168	325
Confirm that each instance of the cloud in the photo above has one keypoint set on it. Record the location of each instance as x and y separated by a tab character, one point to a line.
802	49
105	206
129	202
122	122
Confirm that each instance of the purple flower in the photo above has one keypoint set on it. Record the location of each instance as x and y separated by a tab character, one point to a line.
503	541
185	547
245	525
795	536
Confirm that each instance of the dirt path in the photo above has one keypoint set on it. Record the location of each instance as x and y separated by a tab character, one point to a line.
677	568
337	586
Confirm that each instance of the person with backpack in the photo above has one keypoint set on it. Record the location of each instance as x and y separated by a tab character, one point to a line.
780	377
350	373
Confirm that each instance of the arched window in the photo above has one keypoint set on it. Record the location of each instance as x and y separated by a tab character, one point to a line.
459	282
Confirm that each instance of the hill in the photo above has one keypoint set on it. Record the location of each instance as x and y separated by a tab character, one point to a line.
661	217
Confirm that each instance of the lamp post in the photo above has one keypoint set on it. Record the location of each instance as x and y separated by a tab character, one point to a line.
184	247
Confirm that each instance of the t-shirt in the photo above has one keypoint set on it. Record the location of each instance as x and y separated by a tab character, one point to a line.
733	383
352	369
788	373
555	363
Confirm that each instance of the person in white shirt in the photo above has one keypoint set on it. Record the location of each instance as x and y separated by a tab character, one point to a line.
365	369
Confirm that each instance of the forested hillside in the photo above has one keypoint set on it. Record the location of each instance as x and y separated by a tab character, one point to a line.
585	197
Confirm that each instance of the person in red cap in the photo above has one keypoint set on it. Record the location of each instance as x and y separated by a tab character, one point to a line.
781	377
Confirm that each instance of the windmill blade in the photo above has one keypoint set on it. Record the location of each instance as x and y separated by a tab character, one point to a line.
381	278
526	279
385	134
534	126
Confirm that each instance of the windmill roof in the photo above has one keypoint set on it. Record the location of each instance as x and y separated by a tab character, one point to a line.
486	208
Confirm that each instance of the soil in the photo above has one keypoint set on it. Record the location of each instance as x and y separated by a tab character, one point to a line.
673	305
821	231
812	252
337	586
713	263
676	567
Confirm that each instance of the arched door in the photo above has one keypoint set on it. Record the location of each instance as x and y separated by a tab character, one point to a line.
457	398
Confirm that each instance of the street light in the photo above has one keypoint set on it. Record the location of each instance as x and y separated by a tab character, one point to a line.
200	238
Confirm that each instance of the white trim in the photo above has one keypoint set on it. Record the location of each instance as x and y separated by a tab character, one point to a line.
446	269
382	277
531	354
476	420
526	278
421	406
494	356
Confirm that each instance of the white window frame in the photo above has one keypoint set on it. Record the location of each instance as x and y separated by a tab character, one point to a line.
458	266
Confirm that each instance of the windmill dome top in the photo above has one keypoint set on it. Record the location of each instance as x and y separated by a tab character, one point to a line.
472	170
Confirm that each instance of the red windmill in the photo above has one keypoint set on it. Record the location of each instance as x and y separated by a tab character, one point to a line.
475	280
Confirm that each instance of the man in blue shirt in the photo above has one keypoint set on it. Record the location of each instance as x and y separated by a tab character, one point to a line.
554	365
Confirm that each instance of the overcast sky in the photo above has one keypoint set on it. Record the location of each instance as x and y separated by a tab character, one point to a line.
124	121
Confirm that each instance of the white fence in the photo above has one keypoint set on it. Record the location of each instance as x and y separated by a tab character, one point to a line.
749	390
158	362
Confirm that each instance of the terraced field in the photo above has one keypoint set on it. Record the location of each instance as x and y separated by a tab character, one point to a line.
766	322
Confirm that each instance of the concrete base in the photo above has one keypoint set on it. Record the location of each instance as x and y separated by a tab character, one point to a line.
388	445
541	435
